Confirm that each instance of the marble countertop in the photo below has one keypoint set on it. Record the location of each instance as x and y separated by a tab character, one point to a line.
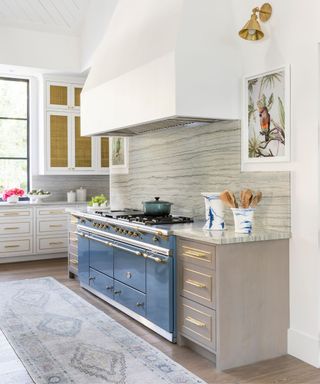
4	204
194	231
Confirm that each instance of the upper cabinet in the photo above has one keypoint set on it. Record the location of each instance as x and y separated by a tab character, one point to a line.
63	96
64	150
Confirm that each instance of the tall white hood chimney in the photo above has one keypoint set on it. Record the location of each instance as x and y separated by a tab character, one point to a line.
162	63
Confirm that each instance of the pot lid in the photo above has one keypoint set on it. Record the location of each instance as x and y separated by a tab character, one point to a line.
157	201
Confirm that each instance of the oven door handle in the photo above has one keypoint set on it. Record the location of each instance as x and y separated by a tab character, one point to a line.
156	259
110	244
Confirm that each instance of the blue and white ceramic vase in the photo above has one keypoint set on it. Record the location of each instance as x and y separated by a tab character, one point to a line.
243	219
214	211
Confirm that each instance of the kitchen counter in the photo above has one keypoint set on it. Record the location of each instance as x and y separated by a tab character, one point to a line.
4	204
194	231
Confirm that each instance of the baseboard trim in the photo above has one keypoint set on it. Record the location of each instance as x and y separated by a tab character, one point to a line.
17	259
304	347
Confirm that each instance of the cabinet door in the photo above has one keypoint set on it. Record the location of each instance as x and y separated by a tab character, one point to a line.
58	141
102	154
58	95
83	147
75	96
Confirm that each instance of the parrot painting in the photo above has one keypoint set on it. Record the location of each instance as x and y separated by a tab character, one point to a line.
264	121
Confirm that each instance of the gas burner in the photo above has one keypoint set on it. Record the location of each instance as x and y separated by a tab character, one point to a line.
155	220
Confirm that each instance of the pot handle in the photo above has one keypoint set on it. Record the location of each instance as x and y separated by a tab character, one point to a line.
157	198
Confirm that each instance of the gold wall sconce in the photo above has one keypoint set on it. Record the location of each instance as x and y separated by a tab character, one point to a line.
252	30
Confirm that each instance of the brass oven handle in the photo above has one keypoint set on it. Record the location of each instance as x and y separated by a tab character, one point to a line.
195	283
195	322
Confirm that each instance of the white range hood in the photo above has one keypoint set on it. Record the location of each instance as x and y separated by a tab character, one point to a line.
162	63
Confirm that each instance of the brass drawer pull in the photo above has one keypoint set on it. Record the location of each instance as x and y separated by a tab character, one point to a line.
194	254
74	240
117	292
195	283
139	304
55	225
10	228
195	322
12	246
57	212
11	214
56	242
73	261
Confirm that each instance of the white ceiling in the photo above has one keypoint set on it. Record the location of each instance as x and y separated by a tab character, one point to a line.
57	16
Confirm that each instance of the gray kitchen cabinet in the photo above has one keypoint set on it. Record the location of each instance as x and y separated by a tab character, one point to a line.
233	300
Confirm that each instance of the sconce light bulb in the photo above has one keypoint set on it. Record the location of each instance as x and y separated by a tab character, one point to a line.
251	31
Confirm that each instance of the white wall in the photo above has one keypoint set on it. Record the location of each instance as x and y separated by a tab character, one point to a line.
93	29
292	37
37	49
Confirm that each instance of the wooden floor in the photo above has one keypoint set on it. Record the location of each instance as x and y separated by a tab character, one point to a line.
286	369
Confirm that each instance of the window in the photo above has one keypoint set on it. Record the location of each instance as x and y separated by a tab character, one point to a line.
14	133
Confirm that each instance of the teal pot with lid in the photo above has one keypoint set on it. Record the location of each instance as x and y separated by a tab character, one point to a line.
157	207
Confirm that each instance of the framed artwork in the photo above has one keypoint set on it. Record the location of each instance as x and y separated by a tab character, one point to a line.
119	154
266	122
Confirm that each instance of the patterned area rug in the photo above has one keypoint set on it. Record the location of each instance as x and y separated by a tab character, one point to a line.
62	339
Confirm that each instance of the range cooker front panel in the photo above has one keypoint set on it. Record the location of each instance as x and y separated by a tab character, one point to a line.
130	231
137	278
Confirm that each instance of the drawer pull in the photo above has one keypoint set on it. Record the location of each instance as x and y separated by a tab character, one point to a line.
74	240
11	214
73	261
56	212
109	287
56	242
196	284
12	246
195	322
140	304
11	228
117	292
55	225
194	254
92	278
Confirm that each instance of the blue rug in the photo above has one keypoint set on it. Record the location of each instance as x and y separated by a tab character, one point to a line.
62	339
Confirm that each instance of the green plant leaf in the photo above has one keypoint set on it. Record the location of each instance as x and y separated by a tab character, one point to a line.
270	102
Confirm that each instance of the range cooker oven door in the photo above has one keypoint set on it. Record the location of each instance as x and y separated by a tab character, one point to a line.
149	273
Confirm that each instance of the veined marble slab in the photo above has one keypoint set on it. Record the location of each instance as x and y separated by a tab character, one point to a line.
194	231
178	164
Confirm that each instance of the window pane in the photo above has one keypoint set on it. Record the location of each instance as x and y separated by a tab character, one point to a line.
13	135
13	173
13	98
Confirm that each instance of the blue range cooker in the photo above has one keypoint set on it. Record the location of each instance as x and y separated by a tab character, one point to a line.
129	261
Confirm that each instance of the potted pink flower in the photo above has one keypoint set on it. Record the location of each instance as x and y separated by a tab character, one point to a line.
12	195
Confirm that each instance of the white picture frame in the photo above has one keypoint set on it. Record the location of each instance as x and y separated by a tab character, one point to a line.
261	94
119	154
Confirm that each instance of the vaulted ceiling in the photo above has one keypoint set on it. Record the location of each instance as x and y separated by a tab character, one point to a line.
57	16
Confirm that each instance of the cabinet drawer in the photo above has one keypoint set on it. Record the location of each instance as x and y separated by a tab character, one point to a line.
130	298
49	226
58	244
14	228
101	282
197	323
12	213
10	247
197	283
197	253
51	211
